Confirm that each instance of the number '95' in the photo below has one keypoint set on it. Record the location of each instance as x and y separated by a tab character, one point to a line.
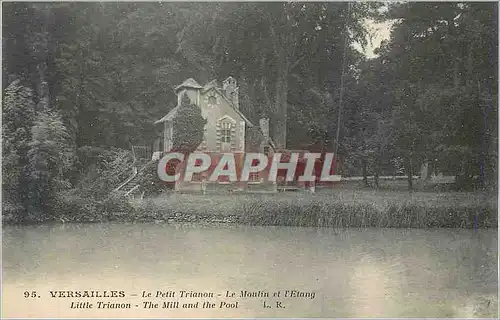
30	294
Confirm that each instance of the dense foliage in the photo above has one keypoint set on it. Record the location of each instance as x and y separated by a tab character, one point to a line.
188	126
82	82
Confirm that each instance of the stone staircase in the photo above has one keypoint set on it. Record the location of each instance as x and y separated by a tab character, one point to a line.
131	184
141	161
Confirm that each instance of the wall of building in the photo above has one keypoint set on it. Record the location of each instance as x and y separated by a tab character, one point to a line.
215	114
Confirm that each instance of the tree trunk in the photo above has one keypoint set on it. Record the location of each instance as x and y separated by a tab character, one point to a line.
283	47
78	137
40	44
424	173
470	61
453	55
281	101
409	171
456	74
365	174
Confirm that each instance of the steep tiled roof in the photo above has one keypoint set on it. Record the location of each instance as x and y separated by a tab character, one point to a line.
170	115
189	83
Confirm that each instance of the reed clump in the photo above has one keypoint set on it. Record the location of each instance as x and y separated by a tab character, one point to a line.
338	209
332	211
338	214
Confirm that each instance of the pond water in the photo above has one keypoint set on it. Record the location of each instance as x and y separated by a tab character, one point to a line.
335	273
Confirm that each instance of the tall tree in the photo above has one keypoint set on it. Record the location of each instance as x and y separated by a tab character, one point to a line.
275	45
441	106
18	115
49	157
188	126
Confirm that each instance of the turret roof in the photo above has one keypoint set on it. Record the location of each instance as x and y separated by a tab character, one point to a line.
189	83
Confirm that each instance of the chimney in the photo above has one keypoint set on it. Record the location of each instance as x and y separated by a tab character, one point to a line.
231	90
264	126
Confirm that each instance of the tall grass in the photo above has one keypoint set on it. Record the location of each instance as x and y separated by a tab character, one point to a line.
345	215
340	210
336	209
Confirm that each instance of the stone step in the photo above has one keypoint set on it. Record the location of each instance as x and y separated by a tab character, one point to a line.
140	165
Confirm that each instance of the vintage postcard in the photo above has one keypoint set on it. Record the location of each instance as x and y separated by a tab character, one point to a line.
249	160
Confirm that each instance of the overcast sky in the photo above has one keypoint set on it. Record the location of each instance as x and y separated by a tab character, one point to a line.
379	32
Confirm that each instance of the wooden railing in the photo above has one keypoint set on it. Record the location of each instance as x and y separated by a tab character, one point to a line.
141	153
359	178
132	176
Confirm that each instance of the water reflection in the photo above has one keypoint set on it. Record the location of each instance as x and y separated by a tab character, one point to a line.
354	273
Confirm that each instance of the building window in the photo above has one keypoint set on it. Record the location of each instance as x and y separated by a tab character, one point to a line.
197	177
254	177
226	132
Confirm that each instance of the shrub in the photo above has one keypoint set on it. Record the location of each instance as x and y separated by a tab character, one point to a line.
114	206
71	207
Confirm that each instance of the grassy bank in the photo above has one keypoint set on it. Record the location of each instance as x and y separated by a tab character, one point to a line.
339	208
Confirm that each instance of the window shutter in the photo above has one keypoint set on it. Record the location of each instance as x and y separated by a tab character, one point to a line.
218	136
233	137
242	135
